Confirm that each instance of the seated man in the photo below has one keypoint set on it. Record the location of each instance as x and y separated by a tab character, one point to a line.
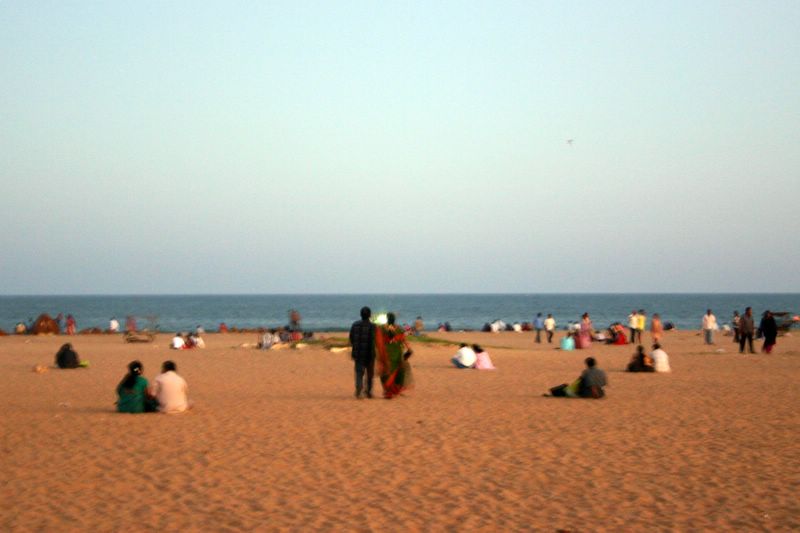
589	385
177	342
592	381
170	389
660	359
465	357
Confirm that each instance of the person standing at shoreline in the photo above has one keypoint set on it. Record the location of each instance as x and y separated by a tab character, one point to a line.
585	332
362	341
709	325
735	323
549	327
746	328
633	325
538	325
71	325
641	323
656	328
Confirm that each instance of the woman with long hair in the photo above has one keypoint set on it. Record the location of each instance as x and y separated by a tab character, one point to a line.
133	393
769	329
392	353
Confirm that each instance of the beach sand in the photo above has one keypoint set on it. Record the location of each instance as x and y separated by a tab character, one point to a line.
276	441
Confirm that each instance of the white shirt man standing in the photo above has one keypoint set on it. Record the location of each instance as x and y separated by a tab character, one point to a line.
709	326
113	325
549	327
170	389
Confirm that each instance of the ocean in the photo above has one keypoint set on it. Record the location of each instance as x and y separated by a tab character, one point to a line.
330	312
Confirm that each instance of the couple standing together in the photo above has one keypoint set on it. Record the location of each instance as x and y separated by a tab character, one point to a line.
386	345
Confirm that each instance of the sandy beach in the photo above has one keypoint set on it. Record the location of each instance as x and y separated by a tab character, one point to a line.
276	441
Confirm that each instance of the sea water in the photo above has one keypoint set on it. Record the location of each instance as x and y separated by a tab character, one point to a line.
331	312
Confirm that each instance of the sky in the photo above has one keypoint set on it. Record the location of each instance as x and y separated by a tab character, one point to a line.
399	147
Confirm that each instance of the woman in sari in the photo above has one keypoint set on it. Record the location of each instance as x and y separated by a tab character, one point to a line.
392	353
585	333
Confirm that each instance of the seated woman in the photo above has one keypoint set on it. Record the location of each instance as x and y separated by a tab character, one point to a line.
68	358
482	359
133	393
568	343
640	362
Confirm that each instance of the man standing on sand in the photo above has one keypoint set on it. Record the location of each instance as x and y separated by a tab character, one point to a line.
746	329
549	327
641	323
709	325
362	340
633	325
538	325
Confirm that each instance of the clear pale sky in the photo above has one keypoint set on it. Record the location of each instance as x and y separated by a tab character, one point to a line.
327	147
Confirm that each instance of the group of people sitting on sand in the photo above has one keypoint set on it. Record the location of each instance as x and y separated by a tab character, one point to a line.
472	357
187	341
168	394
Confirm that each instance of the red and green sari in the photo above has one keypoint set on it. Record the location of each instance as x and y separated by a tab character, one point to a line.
394	370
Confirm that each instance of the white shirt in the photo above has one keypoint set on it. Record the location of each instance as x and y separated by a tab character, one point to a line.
660	360
178	343
549	324
633	320
199	342
709	321
113	325
170	390
466	356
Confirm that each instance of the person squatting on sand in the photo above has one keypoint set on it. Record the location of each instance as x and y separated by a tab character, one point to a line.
640	362
465	357
392	353
589	385
66	357
567	343
362	341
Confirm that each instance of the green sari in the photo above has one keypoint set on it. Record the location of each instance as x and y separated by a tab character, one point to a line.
394	370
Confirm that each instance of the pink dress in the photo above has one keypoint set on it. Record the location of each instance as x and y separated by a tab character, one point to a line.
585	335
483	361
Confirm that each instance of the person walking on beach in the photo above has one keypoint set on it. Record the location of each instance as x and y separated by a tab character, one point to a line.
709	325
735	322
549	327
746	328
362	340
538	325
769	330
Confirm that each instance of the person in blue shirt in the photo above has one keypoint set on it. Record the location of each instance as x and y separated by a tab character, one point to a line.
538	325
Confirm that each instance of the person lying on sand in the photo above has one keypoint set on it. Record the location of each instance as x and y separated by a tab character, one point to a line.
589	385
